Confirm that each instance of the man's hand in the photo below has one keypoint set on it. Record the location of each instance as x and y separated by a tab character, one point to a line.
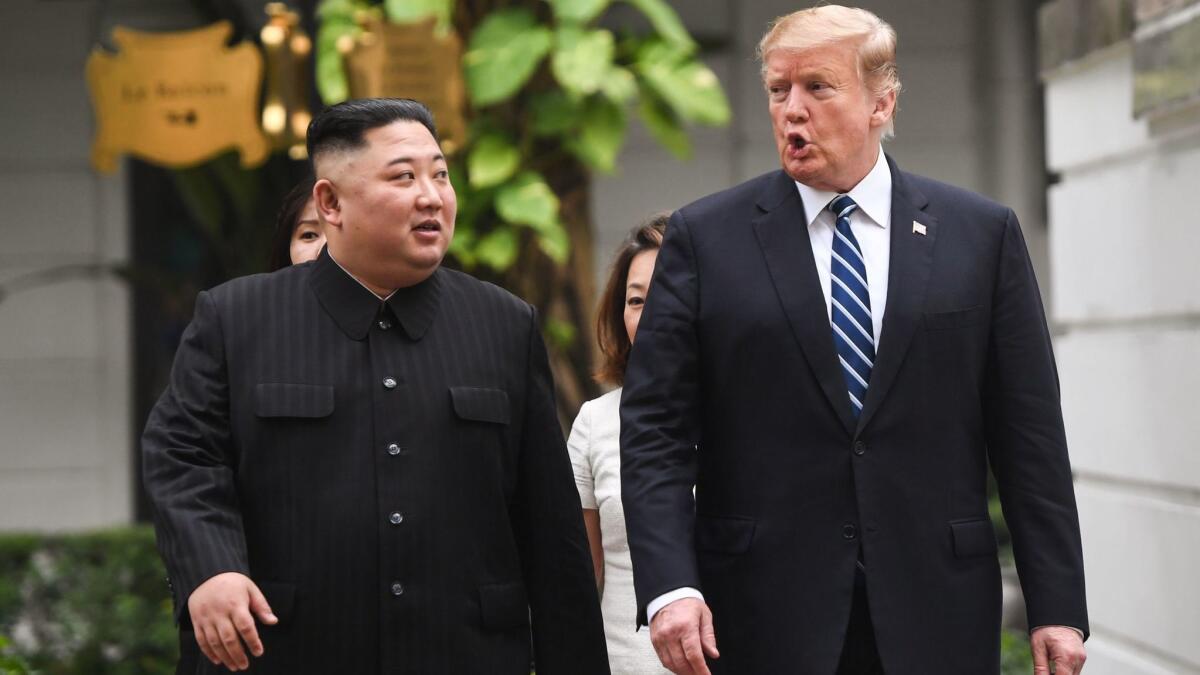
682	633
1059	645
223	610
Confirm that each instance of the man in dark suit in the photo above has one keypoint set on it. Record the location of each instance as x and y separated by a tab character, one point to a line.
832	354
362	452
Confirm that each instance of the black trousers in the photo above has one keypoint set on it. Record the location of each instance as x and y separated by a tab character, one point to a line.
859	653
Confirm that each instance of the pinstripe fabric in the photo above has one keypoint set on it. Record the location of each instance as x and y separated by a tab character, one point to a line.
392	475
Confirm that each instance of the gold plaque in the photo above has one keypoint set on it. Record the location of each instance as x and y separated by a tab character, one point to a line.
176	99
412	61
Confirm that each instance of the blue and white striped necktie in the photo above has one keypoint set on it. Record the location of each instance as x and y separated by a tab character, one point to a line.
851	306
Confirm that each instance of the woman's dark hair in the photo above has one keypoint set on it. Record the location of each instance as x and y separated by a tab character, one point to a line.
342	126
286	222
610	317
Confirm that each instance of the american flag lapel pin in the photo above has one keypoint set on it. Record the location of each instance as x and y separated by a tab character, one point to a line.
918	228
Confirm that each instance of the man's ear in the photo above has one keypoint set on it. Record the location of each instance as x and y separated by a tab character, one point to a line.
885	107
325	198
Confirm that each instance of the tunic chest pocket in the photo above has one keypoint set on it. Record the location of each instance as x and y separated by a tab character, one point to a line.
293	400
480	404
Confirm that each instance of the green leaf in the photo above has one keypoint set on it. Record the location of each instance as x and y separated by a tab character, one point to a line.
577	11
492	160
665	22
413	11
619	84
555	243
504	52
498	249
601	134
462	246
664	125
528	200
582	58
553	112
685	84
560	333
332	83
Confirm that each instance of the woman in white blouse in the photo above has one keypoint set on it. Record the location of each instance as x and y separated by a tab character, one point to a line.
596	453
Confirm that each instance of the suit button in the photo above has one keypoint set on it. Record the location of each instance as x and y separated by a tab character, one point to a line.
849	531
384	324
396	518
397	588
389	383
394	449
860	448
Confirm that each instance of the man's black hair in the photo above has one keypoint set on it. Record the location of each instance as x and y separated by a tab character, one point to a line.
342	126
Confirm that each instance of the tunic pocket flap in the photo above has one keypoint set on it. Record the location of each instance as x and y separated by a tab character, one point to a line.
724	534
293	400
480	404
973	537
503	606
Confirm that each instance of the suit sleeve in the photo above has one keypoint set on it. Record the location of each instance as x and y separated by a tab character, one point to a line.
1027	444
568	631
187	467
659	413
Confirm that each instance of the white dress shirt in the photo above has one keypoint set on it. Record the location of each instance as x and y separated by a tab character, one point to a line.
870	223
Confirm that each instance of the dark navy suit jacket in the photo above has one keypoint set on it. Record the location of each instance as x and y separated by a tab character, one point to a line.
734	386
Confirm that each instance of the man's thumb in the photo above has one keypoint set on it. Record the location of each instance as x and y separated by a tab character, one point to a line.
259	606
708	636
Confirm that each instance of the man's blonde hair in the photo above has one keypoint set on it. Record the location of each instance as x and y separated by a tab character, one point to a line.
828	24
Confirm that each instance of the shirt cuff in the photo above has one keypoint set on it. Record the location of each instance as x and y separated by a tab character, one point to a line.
1077	630
669	597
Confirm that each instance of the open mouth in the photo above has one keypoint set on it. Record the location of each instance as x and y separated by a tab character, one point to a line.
796	141
428	226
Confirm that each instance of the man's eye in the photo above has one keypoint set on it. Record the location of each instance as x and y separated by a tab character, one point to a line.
403	175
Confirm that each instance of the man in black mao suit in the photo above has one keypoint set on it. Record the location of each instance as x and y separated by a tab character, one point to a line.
832	354
362	453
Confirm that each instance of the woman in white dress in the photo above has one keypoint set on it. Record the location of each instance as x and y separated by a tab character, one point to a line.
596	453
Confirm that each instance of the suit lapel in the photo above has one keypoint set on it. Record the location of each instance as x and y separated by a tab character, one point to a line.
908	279
783	236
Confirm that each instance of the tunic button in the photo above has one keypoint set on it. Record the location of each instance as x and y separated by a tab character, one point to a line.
384	324
396	518
397	588
393	449
389	383
849	531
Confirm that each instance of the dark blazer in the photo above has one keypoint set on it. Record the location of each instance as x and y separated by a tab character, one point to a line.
734	354
392	475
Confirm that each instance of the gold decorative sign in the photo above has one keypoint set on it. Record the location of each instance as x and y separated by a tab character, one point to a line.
412	61
176	99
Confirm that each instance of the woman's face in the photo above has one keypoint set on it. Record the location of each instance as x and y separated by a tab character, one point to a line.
307	238
641	268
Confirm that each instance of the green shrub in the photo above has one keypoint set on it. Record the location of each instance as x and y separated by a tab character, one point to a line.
93	603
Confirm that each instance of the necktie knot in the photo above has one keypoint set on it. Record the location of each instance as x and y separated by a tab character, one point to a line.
842	206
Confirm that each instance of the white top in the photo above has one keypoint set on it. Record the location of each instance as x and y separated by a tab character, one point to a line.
595	448
870	223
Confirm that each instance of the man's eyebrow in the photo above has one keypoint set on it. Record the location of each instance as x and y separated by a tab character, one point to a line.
409	160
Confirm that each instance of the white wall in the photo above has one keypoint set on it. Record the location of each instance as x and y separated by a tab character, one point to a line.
65	443
1124	236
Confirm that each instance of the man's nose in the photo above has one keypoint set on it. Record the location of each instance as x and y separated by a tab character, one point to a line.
430	197
796	108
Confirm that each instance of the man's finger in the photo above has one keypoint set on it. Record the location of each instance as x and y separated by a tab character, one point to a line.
694	653
679	664
1041	663
218	648
205	648
232	644
708	635
244	624
260	607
